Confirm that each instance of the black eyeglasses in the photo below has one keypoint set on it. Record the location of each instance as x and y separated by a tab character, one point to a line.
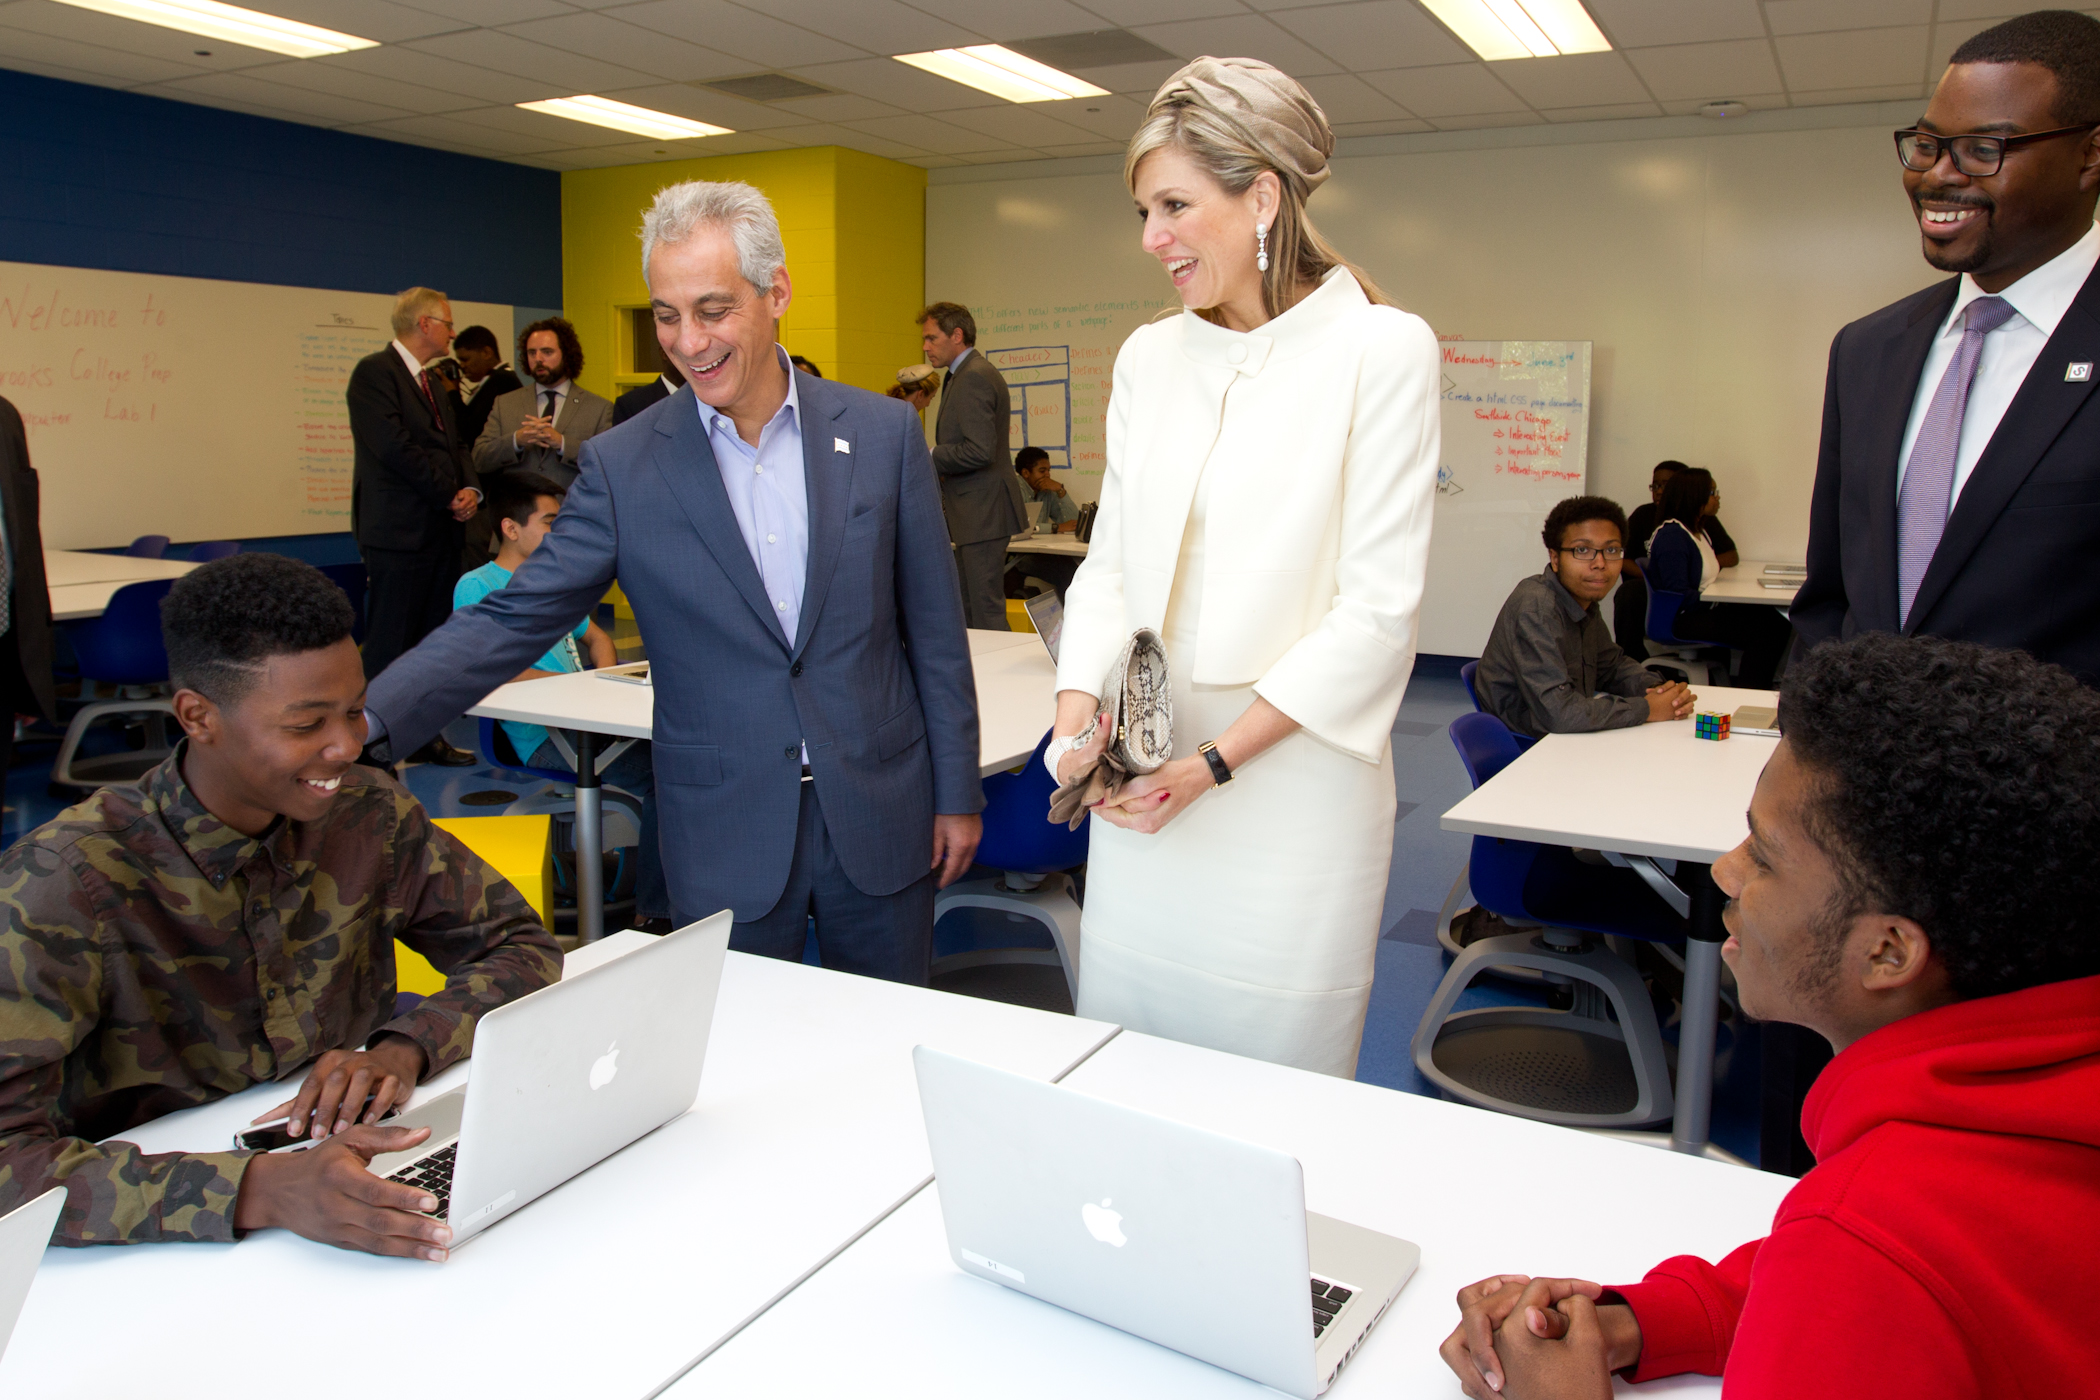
1587	552
1973	155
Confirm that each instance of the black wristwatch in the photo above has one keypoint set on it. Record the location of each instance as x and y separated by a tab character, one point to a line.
1220	774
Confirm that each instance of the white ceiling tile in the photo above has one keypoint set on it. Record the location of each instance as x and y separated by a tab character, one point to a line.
877	26
1978	9
931	162
1853	58
1755	101
1110	118
873	145
130	36
439	74
503	52
1398	127
1610	112
244	105
456	133
765	41
1095	148
612	40
329	75
1346	98
1822	16
737	143
999	157
38	53
835	107
1016	125
1142	79
705	105
1001	20
1477	120
310	103
1459	90
1949	35
1377	34
1708	70
470	13
1241	36
15	62
1131	13
926	133
897	84
1634	23
1830	97
382	20
1573	80
553	133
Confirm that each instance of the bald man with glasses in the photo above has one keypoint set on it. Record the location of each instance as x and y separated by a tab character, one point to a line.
1958	486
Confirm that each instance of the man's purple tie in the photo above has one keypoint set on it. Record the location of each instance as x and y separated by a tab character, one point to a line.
1928	481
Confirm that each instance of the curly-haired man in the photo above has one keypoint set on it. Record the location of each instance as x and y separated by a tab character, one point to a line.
541	427
1918	888
230	919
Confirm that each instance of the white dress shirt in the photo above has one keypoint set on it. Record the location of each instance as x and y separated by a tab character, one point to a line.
2039	300
415	366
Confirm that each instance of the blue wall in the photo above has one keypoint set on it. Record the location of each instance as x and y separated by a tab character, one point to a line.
91	177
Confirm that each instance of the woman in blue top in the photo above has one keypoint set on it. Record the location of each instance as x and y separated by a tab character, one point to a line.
1681	559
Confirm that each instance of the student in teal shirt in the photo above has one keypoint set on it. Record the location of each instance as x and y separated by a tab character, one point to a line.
523	506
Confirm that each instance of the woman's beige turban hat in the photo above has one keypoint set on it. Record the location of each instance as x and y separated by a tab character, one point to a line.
1278	116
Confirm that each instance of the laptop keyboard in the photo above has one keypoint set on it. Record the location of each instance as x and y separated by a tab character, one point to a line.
1327	1300
434	1174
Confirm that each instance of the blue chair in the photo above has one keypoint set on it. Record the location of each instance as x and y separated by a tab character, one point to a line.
1556	1066
148	547
214	549
122	647
1036	856
1663	637
1465	673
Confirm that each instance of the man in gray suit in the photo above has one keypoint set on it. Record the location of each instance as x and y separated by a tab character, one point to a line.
780	539
979	492
542	427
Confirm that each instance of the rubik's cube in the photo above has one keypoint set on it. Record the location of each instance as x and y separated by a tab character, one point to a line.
1710	724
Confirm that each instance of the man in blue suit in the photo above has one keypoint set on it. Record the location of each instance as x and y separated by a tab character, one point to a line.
780	537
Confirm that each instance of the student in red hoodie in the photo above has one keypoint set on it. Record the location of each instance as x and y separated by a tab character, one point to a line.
1919	887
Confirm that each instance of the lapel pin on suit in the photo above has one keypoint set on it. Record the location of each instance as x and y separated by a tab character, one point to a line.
841	445
2078	372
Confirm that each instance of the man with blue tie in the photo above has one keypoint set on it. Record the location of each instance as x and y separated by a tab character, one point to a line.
780	538
1958	487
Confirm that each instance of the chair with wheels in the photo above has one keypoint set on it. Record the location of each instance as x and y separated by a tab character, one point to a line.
1664	641
214	549
147	547
1599	1064
123	648
1036	856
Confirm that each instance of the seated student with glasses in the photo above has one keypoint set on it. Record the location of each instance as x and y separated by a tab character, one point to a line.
1550	666
1917	888
1681	560
230	920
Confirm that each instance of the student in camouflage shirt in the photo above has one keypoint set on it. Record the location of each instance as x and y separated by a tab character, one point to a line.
231	920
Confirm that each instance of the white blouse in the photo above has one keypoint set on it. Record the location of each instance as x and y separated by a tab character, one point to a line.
1317	436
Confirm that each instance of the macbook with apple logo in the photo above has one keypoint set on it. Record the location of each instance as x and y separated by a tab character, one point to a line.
565	1077
1173	1233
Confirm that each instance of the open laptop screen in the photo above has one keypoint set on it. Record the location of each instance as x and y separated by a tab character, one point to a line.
1047	612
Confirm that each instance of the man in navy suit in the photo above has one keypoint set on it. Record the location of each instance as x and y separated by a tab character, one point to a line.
780	538
1958	486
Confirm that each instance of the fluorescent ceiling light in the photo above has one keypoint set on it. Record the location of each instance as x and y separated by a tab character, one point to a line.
603	111
233	24
1499	29
1000	71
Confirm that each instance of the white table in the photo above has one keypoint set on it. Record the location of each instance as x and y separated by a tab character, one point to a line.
1695	795
1032	543
806	1131
1745	583
1481	1192
81	583
1016	701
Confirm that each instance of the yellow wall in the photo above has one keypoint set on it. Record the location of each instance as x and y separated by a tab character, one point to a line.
855	230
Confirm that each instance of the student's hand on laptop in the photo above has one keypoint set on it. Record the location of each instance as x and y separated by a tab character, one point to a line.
325	1194
1555	1353
1484	1307
1671	700
346	1085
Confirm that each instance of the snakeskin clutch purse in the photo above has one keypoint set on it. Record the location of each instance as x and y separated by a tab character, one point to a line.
1138	698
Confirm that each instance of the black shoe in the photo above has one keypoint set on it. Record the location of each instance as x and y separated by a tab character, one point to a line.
439	752
658	927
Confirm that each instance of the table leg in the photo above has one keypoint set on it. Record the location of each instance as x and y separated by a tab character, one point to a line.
590	842
1702	999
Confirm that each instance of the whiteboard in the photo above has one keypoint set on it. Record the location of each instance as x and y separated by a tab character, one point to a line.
188	407
1516	420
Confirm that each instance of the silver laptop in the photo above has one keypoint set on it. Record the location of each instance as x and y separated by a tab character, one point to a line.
1181	1236
24	1231
565	1077
1047	611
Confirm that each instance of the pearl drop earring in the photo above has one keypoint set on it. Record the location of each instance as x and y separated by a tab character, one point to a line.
1261	247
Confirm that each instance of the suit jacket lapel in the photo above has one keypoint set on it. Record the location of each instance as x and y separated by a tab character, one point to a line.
687	461
1898	367
827	475
2037	415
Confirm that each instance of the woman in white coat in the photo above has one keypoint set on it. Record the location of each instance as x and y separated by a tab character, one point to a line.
1272	459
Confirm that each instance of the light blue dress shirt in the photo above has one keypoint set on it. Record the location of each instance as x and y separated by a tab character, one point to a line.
769	497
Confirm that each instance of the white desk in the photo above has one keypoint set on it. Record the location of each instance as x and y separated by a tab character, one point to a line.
1032	543
82	583
1016	701
1691	809
1745	583
806	1130
1482	1193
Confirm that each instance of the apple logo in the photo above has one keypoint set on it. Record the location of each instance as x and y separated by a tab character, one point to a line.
605	1066
1104	1224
